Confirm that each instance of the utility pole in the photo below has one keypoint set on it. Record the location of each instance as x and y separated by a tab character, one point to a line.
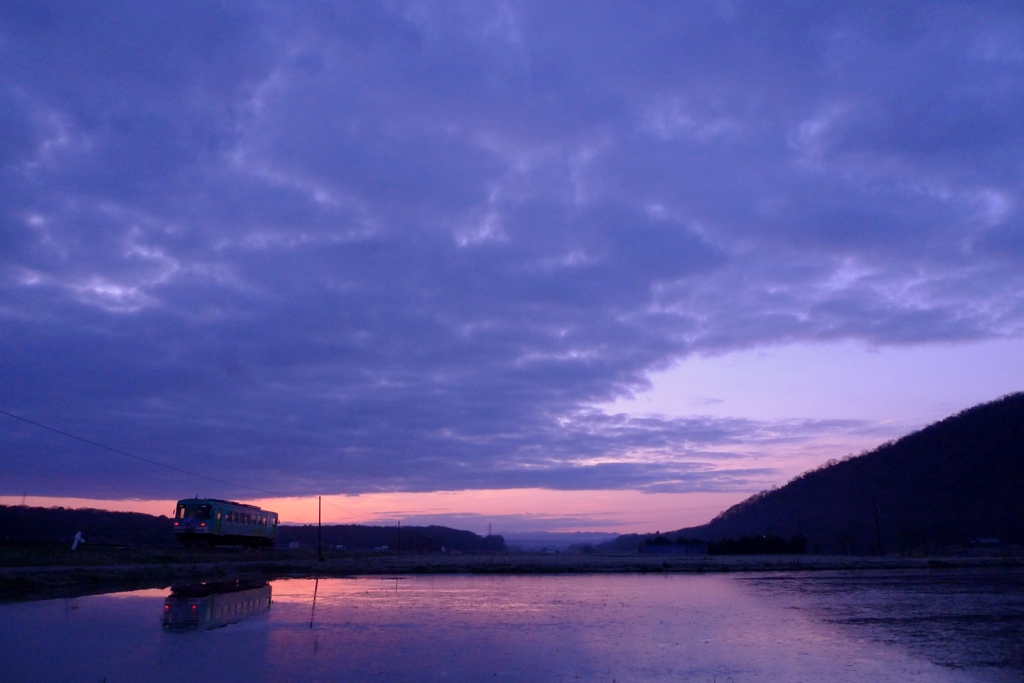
312	612
319	532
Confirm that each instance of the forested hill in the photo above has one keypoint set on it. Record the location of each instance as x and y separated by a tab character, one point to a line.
20	523
949	484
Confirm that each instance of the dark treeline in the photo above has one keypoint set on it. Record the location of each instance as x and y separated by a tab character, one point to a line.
21	523
937	489
662	540
758	545
673	541
631	543
404	539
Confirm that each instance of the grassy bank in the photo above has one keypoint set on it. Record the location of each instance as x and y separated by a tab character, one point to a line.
38	572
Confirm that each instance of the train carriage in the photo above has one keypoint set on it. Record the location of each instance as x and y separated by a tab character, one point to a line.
212	605
211	521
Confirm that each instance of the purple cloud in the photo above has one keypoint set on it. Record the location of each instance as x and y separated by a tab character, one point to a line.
400	246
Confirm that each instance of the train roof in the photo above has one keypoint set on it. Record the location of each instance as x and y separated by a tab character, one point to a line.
202	590
224	502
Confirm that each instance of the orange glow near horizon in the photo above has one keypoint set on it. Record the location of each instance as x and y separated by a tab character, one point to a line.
508	509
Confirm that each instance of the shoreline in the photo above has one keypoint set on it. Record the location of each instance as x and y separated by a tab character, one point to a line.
28	583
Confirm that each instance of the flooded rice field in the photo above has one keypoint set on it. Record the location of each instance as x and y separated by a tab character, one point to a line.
778	627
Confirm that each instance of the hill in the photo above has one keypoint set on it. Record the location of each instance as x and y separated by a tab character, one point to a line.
947	485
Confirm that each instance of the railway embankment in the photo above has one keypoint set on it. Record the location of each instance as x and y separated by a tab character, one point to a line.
34	573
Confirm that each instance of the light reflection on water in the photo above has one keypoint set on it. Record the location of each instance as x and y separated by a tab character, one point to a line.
877	626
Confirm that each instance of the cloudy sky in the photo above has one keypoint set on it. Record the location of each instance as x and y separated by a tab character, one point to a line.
557	265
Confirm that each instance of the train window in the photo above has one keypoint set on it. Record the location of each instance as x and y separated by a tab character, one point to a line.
180	514
203	512
218	515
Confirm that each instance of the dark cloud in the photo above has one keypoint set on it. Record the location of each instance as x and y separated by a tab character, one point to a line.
401	246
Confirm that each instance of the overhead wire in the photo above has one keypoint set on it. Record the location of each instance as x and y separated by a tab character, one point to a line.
165	465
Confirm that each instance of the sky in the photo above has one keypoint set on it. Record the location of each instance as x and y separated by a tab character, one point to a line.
551	266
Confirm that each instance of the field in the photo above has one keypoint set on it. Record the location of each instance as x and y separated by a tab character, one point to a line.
38	571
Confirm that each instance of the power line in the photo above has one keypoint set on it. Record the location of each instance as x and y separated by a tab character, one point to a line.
166	466
362	518
139	457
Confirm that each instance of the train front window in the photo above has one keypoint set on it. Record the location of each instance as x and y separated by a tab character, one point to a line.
180	514
203	512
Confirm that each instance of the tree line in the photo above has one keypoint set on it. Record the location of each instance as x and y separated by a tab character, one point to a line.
25	524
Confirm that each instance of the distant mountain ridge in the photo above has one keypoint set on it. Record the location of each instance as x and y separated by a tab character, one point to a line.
405	538
555	540
956	481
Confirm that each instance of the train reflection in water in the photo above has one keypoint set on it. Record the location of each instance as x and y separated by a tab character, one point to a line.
203	606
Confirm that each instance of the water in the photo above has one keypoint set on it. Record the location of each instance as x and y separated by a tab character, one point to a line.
780	627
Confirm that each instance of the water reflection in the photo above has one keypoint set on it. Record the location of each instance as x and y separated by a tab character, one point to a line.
724	628
204	606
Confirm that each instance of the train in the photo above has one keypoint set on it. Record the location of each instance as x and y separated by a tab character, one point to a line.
211	521
203	606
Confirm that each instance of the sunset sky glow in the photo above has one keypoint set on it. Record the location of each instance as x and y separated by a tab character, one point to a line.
550	266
